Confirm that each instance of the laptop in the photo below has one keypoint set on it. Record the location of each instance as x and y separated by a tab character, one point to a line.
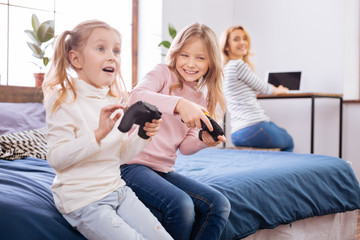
289	79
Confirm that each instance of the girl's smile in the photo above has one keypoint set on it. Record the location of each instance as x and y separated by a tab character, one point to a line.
192	62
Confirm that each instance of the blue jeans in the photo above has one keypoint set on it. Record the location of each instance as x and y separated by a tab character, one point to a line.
187	208
263	135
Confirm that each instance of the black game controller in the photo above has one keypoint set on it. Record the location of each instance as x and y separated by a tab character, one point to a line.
217	130
139	113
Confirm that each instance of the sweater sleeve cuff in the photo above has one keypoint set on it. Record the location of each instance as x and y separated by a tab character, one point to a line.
270	90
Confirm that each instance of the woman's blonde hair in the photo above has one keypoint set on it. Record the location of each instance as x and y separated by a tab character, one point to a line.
224	44
213	77
58	78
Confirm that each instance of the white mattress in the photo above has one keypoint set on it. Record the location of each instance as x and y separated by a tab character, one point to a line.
339	226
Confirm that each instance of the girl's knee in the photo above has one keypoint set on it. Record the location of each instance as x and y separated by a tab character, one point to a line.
185	209
290	145
222	204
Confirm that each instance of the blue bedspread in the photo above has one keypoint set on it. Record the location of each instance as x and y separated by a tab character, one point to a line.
266	189
27	210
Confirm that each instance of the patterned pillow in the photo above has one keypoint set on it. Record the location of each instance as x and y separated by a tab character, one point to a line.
30	143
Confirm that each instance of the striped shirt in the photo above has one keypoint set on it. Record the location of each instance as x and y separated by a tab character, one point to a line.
241	85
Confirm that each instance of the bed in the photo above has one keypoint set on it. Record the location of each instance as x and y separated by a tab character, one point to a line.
273	195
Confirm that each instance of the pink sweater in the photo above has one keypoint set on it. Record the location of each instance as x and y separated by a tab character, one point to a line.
161	153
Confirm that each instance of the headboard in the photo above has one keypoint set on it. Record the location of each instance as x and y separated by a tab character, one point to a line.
18	94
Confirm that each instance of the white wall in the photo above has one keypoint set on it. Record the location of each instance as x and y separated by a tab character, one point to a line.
304	34
214	13
296	35
351	149
352	49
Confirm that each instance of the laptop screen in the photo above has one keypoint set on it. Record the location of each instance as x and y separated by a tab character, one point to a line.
290	80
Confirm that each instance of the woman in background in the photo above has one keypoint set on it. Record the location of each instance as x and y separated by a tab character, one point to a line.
250	126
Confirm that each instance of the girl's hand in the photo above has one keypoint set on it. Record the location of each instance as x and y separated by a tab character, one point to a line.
152	128
208	140
106	124
191	113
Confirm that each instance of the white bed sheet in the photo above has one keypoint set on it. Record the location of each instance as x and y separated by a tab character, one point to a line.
339	226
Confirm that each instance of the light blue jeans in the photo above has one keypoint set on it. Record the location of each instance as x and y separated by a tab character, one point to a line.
188	209
263	135
120	215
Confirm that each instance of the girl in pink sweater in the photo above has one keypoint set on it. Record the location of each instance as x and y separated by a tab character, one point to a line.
183	89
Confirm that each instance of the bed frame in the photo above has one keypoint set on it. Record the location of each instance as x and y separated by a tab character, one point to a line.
18	94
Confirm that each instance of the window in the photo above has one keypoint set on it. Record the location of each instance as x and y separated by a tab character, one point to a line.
16	60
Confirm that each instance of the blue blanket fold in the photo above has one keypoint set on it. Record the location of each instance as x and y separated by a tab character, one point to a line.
267	189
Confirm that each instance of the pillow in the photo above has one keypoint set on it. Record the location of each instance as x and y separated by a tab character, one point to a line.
16	117
24	144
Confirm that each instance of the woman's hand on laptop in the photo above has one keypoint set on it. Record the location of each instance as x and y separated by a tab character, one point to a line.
280	89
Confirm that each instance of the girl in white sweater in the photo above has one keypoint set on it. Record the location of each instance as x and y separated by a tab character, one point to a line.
85	146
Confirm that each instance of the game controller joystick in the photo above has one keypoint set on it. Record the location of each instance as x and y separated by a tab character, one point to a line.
139	113
217	130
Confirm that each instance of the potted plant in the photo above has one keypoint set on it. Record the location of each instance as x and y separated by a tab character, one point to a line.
41	35
172	33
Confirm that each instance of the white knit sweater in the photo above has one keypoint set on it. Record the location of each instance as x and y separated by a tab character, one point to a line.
85	171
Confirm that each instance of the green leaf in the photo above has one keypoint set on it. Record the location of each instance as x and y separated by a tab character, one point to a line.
46	61
32	36
37	51
50	22
45	32
35	22
172	31
38	56
166	44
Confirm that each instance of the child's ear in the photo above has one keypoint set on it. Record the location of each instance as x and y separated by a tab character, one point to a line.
74	59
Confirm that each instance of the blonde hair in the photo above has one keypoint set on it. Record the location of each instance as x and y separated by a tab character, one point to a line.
213	77
224	44
58	78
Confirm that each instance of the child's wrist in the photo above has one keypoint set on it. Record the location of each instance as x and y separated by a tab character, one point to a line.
179	106
98	135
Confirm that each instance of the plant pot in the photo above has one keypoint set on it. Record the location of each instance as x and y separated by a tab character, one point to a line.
39	78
